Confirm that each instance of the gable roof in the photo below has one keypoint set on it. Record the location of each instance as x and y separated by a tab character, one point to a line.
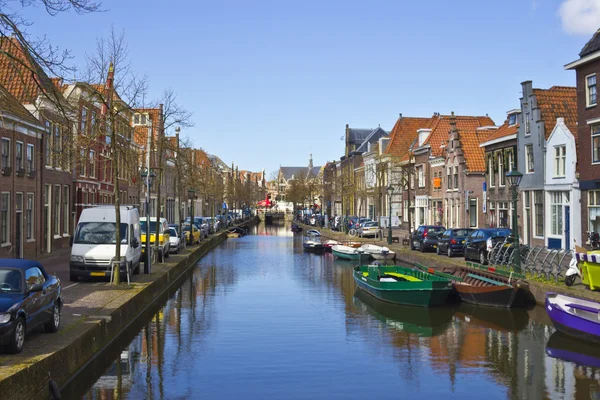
503	130
404	134
558	102
10	105
592	46
358	135
289	172
372	137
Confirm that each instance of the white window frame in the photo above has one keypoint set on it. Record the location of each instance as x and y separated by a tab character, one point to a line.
527	125
491	169
30	157
456	178
593	204
420	176
595	134
588	103
65	209
83	122
527	159
511	161
476	212
534	217
556	214
48	149
57	210
30	217
501	170
92	156
19	162
5	156
560	161
83	163
7	209
449	183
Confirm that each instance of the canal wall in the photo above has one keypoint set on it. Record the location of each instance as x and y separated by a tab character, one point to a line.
409	257
78	344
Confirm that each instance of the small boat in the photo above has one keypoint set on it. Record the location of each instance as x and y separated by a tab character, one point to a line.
378	252
356	245
481	287
313	232
296	228
312	243
348	253
574	316
233	235
238	229
329	244
402	285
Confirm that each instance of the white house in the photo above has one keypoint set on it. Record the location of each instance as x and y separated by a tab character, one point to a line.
561	190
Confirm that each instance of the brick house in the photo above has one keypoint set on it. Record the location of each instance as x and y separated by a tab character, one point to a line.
21	186
587	69
29	84
500	148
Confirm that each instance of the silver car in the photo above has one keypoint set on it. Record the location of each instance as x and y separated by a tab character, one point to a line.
174	240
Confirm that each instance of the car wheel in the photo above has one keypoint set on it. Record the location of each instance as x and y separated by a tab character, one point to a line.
450	254
54	323
421	247
412	247
18	337
482	259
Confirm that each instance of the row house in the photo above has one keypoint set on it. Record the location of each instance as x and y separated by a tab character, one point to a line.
587	131
500	148
549	188
21	188
27	82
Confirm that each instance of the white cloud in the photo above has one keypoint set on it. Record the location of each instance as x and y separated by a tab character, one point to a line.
580	17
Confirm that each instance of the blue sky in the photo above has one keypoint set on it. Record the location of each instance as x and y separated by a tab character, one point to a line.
270	82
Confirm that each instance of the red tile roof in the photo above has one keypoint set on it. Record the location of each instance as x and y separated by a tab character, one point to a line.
503	131
558	102
10	105
404	134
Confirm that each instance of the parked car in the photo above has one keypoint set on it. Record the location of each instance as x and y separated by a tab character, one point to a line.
425	237
29	298
93	247
452	241
163	235
175	241
481	241
196	232
369	228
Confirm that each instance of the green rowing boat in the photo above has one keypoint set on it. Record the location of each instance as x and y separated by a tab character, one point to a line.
402	285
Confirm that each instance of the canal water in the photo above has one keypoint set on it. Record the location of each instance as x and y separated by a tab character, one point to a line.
261	319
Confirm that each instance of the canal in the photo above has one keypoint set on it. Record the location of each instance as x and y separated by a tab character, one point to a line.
260	319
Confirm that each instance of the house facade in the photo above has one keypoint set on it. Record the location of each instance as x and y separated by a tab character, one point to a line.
587	70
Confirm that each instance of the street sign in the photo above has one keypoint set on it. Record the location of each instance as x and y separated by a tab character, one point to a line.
484	207
224	205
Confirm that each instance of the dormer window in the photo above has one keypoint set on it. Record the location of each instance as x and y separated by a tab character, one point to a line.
140	119
512	119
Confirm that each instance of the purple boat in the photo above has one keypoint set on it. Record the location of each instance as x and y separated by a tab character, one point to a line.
574	316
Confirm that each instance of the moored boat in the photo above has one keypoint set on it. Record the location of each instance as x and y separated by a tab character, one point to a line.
482	287
378	252
574	316
296	228
348	253
329	244
401	285
233	235
312	243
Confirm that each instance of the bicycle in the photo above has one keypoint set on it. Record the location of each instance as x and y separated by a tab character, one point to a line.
352	232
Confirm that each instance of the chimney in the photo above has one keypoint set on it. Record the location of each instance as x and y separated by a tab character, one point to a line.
400	116
453	131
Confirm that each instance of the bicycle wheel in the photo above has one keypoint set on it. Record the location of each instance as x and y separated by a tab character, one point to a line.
352	232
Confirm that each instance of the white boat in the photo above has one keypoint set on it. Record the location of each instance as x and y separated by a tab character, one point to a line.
378	252
348	253
313	232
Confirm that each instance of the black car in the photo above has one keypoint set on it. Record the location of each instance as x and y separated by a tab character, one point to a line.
425	237
481	241
29	297
452	241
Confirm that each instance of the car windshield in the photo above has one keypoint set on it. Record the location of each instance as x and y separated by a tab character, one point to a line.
370	224
99	233
152	226
10	280
462	232
172	232
186	228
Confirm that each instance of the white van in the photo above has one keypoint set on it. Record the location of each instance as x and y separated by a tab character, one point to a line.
93	246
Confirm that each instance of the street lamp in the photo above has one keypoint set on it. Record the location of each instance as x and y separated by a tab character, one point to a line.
322	211
191	196
514	179
148	179
390	191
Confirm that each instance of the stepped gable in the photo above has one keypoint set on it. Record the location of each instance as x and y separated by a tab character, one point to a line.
558	102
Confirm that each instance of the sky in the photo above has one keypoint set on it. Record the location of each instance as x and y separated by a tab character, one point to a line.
271	82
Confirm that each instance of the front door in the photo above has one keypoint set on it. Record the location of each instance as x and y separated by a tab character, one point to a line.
19	234
567	227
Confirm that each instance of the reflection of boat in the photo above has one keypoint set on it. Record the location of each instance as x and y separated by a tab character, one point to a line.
238	229
481	287
296	228
499	319
402	285
233	235
574	316
348	253
570	349
424	322
329	244
312	243
378	252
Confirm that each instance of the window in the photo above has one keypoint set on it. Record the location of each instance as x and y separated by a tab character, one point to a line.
527	127
595	143
48	143
590	89
512	119
491	169
594	210
556	211
57	193
66	209
29	216
82	163
83	122
456	177
529	158
30	162
560	161
5	153
501	171
93	122
420	176
473	213
538	204
449	179
92	164
143	119
136	119
511	164
19	156
4	221
56	146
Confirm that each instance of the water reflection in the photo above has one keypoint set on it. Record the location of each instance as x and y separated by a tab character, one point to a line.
260	318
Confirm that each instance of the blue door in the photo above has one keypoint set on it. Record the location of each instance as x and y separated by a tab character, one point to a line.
567	227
